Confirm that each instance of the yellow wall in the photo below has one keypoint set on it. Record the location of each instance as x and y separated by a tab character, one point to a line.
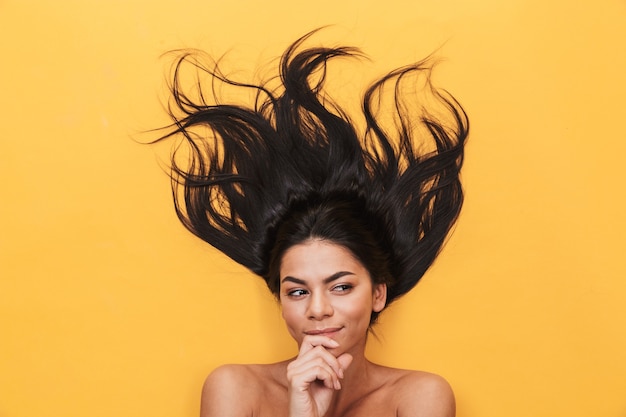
109	308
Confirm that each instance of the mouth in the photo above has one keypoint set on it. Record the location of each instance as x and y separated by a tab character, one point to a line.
328	332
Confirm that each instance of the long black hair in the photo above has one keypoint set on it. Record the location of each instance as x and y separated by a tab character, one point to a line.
256	180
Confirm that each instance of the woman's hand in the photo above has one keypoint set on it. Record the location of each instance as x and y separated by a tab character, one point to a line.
315	376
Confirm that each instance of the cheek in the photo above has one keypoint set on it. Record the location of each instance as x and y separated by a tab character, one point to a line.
291	321
355	310
283	311
290	314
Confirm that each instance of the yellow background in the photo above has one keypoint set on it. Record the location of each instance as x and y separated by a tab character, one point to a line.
108	307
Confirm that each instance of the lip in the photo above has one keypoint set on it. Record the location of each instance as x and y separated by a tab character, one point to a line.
328	332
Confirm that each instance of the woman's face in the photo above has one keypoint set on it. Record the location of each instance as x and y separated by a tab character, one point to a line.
325	290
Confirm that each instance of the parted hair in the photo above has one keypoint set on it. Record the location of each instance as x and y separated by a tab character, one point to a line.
254	180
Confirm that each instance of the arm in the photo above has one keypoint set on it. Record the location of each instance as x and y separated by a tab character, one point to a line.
227	393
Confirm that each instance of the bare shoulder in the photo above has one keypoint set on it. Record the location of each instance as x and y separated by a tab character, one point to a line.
422	394
222	392
228	377
235	390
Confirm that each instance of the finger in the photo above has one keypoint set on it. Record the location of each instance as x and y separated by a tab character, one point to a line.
327	376
304	374
311	341
320	352
307	364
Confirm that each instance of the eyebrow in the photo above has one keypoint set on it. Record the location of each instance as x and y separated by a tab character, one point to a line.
328	280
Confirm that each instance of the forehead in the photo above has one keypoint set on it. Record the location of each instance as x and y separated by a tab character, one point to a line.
319	259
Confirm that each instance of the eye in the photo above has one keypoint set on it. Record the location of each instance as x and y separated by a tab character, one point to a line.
342	288
298	292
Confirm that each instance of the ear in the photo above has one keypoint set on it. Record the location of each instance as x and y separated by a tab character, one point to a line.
379	297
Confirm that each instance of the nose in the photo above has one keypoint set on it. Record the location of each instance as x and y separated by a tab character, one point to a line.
319	307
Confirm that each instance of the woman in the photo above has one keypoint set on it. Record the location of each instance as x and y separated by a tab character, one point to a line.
338	224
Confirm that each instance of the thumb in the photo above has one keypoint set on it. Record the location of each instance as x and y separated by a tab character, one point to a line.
344	360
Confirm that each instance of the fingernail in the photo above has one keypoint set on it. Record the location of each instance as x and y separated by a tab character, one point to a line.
334	342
